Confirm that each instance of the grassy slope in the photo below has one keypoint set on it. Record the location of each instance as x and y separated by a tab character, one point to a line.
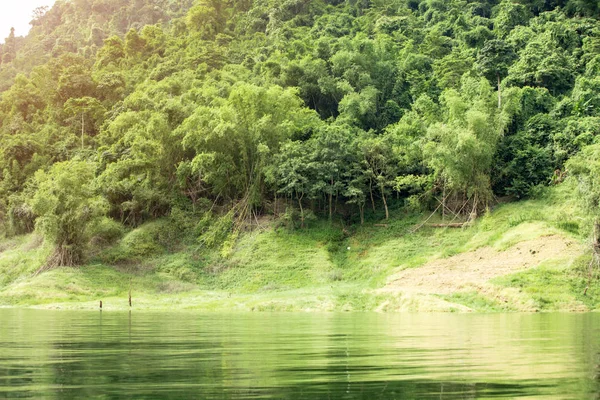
321	268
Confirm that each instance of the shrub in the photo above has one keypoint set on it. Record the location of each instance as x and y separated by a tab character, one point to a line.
107	230
143	241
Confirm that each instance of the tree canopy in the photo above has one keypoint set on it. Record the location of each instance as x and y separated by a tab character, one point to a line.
339	109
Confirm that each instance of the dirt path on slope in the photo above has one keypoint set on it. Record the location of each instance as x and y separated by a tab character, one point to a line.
475	268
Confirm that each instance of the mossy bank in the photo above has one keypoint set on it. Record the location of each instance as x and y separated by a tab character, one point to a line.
525	256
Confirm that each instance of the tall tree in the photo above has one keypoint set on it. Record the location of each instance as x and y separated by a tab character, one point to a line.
493	61
9	49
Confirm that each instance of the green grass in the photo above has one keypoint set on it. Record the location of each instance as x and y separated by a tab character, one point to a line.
477	301
555	285
327	267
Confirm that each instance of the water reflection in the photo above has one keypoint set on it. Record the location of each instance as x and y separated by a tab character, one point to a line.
297	356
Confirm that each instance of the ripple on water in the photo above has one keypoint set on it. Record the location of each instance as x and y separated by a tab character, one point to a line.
48	354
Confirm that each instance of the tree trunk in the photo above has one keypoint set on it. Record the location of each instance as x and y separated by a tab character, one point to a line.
387	213
361	208
499	93
82	130
371	193
64	255
335	204
301	210
331	202
473	215
444	202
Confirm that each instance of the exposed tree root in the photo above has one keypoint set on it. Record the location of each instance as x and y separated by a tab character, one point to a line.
63	256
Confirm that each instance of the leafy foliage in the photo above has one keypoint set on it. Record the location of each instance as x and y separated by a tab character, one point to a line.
66	204
324	108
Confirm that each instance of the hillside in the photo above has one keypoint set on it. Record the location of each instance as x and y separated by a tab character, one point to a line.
528	256
78	28
290	146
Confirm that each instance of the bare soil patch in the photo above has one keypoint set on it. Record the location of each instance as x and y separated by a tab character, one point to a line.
472	269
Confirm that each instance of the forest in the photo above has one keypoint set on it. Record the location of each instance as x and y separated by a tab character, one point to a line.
217	113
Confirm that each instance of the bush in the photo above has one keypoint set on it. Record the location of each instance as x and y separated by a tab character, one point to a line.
107	231
21	218
585	167
143	241
180	268
292	218
215	231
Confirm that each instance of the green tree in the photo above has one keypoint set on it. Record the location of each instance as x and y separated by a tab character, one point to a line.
291	174
330	161
493	61
9	50
381	166
134	44
84	114
137	162
509	14
66	203
461	148
453	66
234	142
112	52
207	18
543	63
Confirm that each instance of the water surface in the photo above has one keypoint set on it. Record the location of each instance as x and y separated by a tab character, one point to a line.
106	355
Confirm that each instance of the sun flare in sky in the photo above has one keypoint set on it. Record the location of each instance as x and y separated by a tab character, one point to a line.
18	14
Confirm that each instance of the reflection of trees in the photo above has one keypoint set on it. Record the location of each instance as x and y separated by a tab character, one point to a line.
288	356
597	377
149	358
102	356
409	389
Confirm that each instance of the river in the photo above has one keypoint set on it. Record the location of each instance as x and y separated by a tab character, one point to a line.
180	355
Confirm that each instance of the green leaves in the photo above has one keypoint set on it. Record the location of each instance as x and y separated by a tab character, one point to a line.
234	142
509	14
66	203
586	168
461	147
494	59
325	103
138	164
543	63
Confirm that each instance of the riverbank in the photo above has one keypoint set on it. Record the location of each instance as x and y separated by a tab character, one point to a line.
524	256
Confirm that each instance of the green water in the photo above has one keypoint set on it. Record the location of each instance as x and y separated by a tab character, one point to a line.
83	355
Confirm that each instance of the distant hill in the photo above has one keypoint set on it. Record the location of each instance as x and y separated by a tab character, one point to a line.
80	27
